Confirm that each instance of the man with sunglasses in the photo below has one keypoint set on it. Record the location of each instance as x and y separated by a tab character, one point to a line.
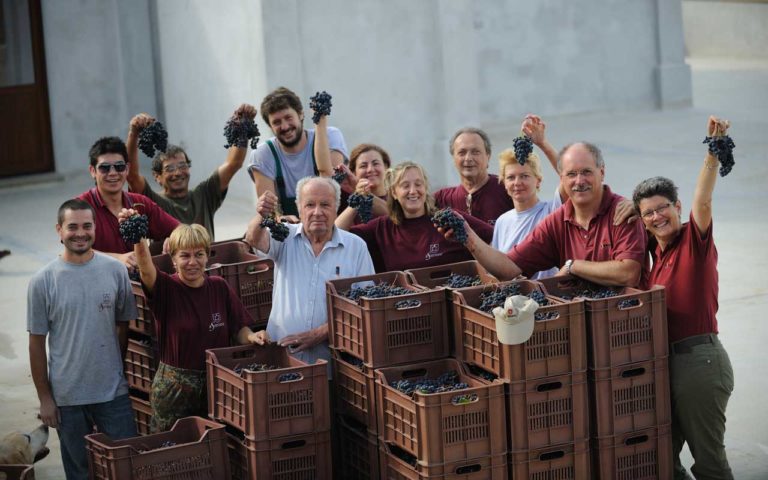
171	172
109	169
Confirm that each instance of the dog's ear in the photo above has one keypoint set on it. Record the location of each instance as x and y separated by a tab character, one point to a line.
14	449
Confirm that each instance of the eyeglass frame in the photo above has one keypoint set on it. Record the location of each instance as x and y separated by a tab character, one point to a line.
658	210
182	167
105	168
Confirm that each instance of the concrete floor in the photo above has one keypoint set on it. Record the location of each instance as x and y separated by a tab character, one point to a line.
637	144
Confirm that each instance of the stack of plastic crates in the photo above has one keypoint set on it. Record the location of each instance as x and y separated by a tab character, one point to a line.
628	379
141	360
545	378
277	410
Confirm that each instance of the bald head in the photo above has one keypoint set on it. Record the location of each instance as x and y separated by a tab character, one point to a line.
581	147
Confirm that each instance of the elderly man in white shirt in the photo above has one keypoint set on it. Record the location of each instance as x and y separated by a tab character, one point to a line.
313	252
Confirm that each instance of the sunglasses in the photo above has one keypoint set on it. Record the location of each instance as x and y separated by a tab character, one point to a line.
106	167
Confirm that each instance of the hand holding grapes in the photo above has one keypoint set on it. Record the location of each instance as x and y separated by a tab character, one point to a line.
267	204
534	128
140	122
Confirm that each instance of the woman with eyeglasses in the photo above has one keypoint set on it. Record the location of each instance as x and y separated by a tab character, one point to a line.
406	237
685	262
365	174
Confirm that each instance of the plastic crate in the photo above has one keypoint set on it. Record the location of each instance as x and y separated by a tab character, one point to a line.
483	468
305	457
140	364
199	451
18	472
548	411
562	462
142	413
144	321
620	335
630	397
557	346
358	451
437	428
435	277
382	334
641	455
267	404
354	391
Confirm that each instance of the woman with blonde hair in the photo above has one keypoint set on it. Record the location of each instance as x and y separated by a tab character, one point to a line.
406	237
193	312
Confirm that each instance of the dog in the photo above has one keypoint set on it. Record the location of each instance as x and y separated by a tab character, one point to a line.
18	448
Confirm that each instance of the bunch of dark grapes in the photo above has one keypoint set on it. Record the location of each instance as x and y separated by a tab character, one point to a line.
591	291
133	229
339	175
630	302
448	219
496	297
545	315
461	281
253	367
354	361
722	148
363	204
289	377
278	230
408	303
523	146
320	103
446	382
239	129
479	372
153	137
539	298
381	290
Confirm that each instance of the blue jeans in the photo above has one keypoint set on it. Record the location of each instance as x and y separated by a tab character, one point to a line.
113	418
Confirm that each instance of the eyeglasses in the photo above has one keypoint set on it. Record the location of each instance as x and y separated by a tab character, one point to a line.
182	167
660	210
106	167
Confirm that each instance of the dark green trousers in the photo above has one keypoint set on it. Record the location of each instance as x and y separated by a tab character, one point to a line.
176	393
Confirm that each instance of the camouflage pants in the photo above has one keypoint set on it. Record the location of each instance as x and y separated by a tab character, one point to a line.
176	393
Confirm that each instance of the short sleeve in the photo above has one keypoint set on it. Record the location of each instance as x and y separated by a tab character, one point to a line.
262	161
336	142
37	306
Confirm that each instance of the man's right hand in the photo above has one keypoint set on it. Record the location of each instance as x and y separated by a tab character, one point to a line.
267	204
49	412
140	122
534	127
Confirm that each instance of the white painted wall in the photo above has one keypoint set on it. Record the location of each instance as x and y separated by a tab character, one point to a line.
717	28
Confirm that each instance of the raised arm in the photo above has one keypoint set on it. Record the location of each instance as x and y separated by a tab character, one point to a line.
136	181
701	209
235	155
535	128
322	150
256	235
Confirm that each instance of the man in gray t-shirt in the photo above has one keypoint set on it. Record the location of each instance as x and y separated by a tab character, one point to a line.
81	302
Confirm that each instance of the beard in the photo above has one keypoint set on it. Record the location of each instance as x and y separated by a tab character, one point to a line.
292	143
69	244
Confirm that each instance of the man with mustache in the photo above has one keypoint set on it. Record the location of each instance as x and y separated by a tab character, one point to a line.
293	153
581	237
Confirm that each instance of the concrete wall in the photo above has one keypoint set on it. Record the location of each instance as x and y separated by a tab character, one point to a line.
717	28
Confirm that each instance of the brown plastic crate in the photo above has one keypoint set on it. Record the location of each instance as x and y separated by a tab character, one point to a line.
548	411
381	334
264	404
630	397
557	346
144	322
354	391
640	455
434	277
305	457
569	461
200	451
434	428
482	468
621	335
140	364
358	451
142	413
18	472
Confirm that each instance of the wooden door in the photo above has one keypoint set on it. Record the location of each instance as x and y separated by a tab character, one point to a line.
25	126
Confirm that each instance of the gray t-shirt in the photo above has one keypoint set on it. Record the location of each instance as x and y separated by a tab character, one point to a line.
295	165
197	207
77	306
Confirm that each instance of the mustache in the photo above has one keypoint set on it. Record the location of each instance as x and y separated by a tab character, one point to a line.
581	188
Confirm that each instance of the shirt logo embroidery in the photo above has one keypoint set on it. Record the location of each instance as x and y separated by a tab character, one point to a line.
106	302
216	322
434	251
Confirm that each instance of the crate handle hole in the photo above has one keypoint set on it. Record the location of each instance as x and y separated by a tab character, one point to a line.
633	372
244	354
417	372
552	455
290	377
408	305
466	469
440	274
630	304
636	440
548	387
293	444
465	399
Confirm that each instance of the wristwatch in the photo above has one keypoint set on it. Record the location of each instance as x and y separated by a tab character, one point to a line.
568	265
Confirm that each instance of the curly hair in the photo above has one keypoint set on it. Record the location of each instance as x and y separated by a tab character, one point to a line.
277	100
650	187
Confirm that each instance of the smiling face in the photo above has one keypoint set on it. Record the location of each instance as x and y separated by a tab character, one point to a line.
411	192
190	265
108	179
470	156
286	124
370	165
521	184
581	176
77	231
317	210
174	177
661	217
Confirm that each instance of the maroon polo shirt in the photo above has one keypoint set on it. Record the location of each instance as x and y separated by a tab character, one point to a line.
488	202
108	228
415	243
688	270
190	320
558	238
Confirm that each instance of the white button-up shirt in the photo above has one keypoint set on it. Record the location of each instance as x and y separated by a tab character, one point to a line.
299	298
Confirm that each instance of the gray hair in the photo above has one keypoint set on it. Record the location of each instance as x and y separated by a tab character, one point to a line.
328	181
591	148
650	187
476	131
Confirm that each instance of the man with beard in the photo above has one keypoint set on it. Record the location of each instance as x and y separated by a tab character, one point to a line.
581	237
171	171
294	153
82	303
